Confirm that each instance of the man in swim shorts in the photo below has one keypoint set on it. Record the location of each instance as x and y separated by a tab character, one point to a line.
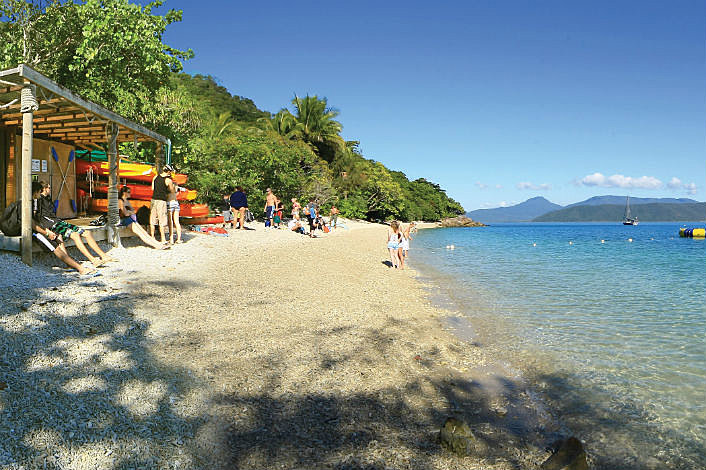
270	201
47	218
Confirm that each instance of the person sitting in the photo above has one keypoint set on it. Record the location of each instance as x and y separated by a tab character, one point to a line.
295	225
49	240
128	218
65	230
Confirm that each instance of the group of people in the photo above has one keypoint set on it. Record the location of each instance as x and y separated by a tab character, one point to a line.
51	232
235	206
398	239
164	206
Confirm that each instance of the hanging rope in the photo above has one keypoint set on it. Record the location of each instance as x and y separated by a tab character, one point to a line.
89	178
29	101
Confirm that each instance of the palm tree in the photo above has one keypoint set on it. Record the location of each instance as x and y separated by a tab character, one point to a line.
318	127
284	123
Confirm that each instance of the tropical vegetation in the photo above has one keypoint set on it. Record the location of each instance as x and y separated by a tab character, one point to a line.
112	52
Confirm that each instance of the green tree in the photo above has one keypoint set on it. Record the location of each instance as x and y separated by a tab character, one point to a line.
108	51
318	126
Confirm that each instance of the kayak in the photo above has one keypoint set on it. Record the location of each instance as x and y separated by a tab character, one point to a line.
140	192
143	172
205	220
185	209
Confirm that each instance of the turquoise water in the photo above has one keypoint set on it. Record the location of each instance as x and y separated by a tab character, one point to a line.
612	331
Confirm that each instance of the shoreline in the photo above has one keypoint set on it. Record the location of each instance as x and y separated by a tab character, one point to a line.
617	429
260	349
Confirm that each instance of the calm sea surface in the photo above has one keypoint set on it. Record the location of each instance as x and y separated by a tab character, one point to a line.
609	321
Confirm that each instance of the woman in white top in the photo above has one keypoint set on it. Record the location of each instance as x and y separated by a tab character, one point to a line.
393	243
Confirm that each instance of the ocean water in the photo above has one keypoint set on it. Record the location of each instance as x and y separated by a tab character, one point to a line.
608	322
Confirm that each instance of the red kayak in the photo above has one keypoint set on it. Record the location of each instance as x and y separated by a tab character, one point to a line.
185	209
141	192
143	172
205	220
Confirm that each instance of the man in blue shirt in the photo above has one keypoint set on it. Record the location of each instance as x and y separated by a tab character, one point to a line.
238	205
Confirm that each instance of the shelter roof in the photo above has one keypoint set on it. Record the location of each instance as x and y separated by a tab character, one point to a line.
64	115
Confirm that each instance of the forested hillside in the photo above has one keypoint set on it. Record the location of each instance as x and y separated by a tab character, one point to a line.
112	52
652	212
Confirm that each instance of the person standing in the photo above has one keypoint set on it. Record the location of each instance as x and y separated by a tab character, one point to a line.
393	244
173	210
238	206
270	201
333	216
279	208
158	205
225	211
296	207
312	212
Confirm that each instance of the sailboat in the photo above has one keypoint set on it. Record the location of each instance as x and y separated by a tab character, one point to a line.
627	218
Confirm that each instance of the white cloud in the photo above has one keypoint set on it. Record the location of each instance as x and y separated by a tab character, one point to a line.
533	187
481	185
675	183
498	186
621	181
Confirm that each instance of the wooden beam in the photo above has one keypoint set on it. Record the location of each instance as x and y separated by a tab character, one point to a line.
40	80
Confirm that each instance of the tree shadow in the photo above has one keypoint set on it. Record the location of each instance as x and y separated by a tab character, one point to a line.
79	386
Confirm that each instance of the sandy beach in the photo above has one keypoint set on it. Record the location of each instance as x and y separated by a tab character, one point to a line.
264	349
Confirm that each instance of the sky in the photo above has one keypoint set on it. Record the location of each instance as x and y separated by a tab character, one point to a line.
496	101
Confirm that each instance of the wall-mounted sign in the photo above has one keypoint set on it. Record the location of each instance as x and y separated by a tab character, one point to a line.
44	166
36	165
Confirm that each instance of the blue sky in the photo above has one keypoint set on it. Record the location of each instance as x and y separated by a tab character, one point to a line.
497	101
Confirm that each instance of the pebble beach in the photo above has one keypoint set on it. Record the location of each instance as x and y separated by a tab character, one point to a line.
263	349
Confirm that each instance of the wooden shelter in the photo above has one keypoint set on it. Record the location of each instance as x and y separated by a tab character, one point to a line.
41	125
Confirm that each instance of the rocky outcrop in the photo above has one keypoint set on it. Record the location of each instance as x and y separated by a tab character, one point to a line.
569	456
455	436
460	221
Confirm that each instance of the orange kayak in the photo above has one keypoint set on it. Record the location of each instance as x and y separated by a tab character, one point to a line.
185	209
143	172
140	192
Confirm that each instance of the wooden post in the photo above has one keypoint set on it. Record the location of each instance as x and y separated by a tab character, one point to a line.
28	106
113	212
159	157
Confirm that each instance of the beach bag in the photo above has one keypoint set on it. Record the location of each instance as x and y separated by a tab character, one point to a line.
326	229
11	220
143	216
248	216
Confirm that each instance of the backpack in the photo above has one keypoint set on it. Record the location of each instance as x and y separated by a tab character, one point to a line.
248	216
11	220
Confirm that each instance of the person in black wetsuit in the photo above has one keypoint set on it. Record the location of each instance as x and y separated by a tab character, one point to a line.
161	186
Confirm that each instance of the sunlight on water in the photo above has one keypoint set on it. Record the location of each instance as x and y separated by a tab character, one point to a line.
619	311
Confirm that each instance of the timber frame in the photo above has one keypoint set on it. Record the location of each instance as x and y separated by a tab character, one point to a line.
41	107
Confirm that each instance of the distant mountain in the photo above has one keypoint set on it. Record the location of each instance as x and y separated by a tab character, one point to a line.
650	212
634	201
523	212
